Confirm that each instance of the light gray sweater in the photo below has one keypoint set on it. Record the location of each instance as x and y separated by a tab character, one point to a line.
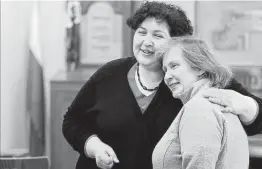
202	137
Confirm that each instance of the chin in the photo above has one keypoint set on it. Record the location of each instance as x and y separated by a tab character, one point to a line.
145	61
175	95
151	64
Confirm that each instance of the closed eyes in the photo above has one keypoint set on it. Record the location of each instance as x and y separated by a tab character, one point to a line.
173	65
142	32
159	36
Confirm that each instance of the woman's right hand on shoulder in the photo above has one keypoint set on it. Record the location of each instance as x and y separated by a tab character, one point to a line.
103	153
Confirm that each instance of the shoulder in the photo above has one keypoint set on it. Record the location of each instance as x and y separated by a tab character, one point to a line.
199	108
198	103
203	118
113	67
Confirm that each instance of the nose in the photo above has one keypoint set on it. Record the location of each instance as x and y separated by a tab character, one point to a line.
148	41
167	78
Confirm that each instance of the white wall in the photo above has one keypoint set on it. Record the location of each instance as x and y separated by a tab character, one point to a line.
53	21
14	36
15	19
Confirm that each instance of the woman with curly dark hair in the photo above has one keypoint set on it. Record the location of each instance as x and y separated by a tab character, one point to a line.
124	109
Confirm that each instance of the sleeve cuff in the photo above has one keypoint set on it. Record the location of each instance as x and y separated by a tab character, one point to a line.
255	127
85	150
257	111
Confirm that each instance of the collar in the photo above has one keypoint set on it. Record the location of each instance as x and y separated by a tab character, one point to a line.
193	89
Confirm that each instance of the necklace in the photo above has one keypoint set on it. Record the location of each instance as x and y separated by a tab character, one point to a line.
141	84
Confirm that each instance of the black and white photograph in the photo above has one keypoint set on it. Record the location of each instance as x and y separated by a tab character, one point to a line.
149	84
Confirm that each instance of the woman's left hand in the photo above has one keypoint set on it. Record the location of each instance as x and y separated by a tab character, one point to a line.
233	102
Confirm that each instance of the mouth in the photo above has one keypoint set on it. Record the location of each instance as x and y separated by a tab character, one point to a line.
172	86
147	52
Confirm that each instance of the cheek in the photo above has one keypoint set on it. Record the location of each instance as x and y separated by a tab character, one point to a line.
183	76
178	73
136	44
159	44
191	78
137	40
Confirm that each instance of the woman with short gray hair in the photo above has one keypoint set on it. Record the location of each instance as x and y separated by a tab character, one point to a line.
201	136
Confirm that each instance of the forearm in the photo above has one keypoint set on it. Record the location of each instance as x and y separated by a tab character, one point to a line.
253	125
88	148
251	118
76	132
251	111
79	120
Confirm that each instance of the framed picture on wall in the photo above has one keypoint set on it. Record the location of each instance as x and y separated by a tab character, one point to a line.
104	34
232	28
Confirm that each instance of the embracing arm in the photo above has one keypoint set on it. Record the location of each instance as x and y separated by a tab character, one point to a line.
78	123
251	116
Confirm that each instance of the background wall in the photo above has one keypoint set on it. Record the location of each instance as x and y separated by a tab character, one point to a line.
53	22
15	21
14	36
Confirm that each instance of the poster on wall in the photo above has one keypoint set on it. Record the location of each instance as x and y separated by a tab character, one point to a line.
233	30
102	31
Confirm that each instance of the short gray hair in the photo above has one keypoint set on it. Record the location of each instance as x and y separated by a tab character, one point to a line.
199	57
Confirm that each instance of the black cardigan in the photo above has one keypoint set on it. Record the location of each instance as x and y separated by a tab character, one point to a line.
107	107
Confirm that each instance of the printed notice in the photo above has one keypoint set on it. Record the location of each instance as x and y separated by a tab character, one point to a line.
104	34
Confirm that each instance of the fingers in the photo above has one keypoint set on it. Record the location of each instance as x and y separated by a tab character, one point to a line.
218	101
214	93
227	110
112	154
104	161
224	106
106	157
115	159
225	94
104	166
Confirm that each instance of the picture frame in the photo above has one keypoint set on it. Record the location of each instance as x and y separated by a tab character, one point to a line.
232	28
104	36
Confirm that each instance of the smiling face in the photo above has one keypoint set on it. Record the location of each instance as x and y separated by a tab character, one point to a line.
178	73
149	37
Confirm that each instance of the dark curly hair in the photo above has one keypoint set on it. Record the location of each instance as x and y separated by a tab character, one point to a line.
175	17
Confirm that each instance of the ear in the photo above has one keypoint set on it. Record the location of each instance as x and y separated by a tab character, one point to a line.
200	72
